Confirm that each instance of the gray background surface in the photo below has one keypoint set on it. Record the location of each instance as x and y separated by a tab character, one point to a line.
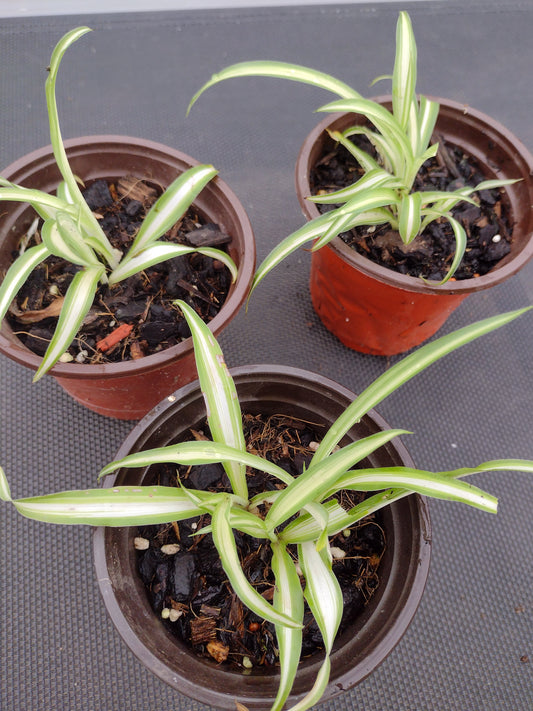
134	75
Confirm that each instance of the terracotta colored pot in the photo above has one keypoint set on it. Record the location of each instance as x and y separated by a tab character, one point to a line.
376	310
126	390
362	647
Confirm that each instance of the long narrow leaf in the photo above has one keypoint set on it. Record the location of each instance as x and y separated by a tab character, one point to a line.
403	371
375	178
404	73
191	453
362	157
278	70
460	241
316	480
46	206
420	482
409	216
384	122
159	252
120	506
223	410
306	233
427	118
105	248
362	202
17	274
63	239
224	541
324	597
171	205
289	600
78	301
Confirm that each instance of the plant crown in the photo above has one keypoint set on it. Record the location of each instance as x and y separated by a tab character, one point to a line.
303	513
71	231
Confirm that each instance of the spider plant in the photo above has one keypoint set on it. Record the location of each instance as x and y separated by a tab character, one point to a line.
71	231
302	513
401	139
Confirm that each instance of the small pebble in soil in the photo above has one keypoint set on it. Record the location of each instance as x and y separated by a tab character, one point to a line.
171	548
174	615
337	553
141	544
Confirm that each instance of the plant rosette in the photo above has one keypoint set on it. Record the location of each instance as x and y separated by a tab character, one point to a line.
130	388
265	390
374	309
293	519
369	307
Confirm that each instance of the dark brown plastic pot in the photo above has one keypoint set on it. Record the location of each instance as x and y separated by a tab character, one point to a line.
126	390
376	310
403	571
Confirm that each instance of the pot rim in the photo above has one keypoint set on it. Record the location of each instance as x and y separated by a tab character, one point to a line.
236	296
400	607
506	268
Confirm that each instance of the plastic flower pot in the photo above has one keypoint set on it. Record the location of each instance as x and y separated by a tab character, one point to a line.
376	310
362	647
129	389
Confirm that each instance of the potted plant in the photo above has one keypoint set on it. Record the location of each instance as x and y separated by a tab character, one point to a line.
391	207
292	522
71	238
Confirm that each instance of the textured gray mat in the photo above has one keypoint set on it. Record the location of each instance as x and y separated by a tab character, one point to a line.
475	624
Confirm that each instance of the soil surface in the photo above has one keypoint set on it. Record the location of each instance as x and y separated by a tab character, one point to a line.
140	306
185	579
488	225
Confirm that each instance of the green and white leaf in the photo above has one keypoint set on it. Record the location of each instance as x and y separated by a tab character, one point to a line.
391	157
60	155
401	153
409	216
78	301
403	371
220	394
17	274
427	118
278	70
362	157
345	215
404	73
159	252
421	482
171	206
289	600
324	597
63	239
318	479
224	541
119	506
460	241
307	528
192	453
376	178
45	205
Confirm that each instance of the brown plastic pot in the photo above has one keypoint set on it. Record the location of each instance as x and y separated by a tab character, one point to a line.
362	647
126	390
376	310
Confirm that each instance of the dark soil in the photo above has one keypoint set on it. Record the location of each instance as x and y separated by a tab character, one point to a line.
488	226
192	584
143	301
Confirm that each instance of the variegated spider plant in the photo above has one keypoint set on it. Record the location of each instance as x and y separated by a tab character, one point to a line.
303	513
71	231
401	138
